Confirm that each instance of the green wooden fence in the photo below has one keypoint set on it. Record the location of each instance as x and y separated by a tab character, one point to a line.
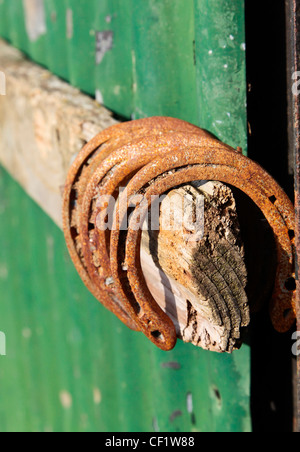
70	365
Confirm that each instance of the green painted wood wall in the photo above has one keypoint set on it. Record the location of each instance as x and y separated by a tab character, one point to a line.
182	58
70	365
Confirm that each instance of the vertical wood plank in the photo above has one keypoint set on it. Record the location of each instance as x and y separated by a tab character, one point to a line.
113	55
166	48
56	45
17	34
4	24
293	72
221	71
81	44
33	13
163	58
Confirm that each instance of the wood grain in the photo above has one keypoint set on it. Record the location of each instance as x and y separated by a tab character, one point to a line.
199	276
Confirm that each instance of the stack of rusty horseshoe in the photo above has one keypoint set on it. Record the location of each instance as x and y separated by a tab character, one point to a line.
149	157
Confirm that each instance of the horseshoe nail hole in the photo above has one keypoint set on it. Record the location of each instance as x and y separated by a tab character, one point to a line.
273	199
291	234
73	199
286	313
137	308
157	335
290	284
74	234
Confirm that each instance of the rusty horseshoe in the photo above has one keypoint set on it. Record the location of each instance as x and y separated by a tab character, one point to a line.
149	157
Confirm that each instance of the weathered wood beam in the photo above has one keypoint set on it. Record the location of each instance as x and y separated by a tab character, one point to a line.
201	284
204	277
44	124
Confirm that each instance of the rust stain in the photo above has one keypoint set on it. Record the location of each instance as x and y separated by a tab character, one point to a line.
151	156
